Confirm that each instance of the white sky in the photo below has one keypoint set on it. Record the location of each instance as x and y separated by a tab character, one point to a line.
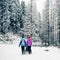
39	3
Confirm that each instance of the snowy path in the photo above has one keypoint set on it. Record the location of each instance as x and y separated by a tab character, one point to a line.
13	52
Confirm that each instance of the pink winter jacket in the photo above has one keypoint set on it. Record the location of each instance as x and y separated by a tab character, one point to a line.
29	42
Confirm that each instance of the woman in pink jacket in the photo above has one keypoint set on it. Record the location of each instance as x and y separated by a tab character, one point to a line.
29	44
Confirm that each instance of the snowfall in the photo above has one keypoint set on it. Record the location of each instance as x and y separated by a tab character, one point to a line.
13	52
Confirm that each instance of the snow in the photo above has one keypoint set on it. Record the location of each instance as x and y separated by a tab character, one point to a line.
12	38
13	52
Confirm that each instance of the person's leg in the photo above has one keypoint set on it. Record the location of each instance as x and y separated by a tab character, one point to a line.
29	49
22	48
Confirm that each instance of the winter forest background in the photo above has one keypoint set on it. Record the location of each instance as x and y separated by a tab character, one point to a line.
21	17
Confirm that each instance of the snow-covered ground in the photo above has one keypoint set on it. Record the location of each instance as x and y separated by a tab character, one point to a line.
13	52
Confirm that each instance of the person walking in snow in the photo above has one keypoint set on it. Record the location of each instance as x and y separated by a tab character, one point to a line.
29	44
23	44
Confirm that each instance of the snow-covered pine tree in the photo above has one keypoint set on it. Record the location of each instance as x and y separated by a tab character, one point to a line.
58	20
45	34
2	16
13	16
9	15
53	21
9	18
39	26
22	17
27	21
31	21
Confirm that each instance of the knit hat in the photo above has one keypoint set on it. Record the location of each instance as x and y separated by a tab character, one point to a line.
28	36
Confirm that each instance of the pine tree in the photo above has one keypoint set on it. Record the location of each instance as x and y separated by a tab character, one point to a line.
58	19
14	15
2	15
27	20
22	17
39	23
31	26
46	27
9	16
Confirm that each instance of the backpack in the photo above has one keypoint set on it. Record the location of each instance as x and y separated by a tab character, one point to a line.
23	43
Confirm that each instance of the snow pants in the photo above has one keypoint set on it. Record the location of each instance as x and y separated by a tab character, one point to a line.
22	49
29	49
